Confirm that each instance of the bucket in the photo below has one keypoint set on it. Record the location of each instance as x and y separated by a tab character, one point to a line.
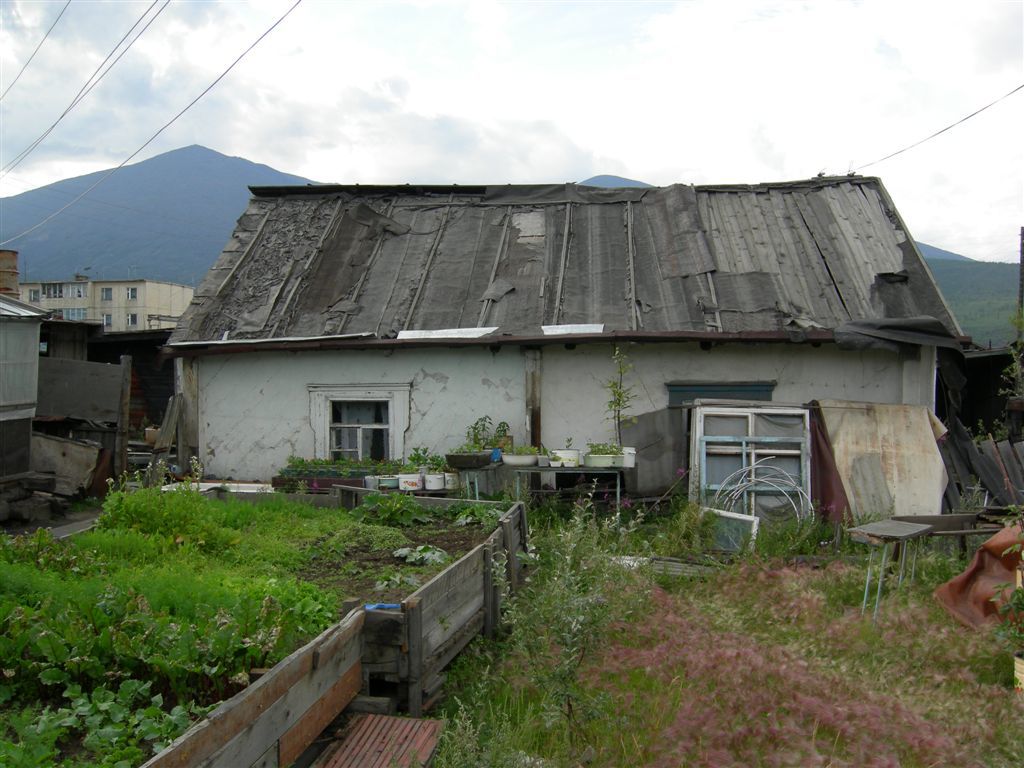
387	481
410	482
628	457
434	482
451	481
371	482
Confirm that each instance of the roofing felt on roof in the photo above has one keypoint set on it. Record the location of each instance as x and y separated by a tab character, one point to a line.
336	260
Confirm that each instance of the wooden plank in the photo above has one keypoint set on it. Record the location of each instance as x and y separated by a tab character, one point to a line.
511	561
80	390
123	417
278	718
414	623
447	625
312	723
444	655
203	740
490	617
372	705
434	591
1011	463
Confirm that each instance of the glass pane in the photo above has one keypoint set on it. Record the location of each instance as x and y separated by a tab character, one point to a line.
359	412
730	426
375	444
783	468
719	467
774	507
345	439
732	535
775	425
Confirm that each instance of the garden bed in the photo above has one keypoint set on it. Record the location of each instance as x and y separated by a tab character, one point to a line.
112	641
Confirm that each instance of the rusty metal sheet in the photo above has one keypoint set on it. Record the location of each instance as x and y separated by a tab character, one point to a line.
384	741
887	457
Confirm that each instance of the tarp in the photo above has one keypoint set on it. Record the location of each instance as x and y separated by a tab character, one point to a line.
968	597
887	457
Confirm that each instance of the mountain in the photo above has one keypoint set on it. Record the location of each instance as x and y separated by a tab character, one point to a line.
612	181
931	252
165	218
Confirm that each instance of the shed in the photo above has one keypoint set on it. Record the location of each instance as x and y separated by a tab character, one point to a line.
412	310
19	376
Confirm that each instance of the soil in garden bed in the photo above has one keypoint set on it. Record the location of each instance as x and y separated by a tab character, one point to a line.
357	573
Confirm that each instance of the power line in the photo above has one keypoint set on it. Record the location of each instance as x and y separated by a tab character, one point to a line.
166	125
89	84
937	133
25	65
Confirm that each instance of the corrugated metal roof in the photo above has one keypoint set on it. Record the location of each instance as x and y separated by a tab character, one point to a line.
323	261
11	307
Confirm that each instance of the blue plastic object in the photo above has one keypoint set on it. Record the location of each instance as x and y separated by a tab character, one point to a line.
382	606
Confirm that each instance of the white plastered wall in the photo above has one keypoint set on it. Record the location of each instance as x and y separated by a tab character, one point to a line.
254	408
573	397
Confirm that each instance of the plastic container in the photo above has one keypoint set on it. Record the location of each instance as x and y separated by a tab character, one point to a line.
410	482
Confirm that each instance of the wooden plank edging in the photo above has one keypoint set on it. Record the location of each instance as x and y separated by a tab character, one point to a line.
207	739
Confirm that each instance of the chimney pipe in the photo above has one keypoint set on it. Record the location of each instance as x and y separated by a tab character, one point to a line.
9	273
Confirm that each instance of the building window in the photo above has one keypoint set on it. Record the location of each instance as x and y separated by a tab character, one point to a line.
359	430
107	294
752	461
77	291
75	313
33	295
53	290
108	321
131	319
685	392
359	421
132	293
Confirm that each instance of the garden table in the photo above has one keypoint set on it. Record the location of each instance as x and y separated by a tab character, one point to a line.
880	534
617	471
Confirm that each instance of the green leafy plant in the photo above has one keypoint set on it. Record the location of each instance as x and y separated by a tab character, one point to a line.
524	450
394	509
468	513
620	396
425	554
604	449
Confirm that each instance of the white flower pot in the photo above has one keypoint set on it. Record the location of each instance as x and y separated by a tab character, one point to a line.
513	460
387	481
567	457
372	482
434	481
451	481
628	457
410	482
602	460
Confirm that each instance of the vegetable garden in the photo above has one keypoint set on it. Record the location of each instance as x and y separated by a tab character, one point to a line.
113	641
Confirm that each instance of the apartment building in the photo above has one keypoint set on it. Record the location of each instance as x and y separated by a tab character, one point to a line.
120	305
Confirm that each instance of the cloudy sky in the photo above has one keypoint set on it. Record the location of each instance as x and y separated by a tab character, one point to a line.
724	91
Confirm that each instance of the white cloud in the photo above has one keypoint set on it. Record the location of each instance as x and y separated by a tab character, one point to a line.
472	92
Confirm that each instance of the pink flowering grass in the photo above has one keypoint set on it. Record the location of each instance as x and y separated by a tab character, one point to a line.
774	666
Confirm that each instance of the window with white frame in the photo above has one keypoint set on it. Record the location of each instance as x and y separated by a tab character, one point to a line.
131	293
359	421
107	294
53	290
33	295
75	313
77	290
108	321
752	460
131	319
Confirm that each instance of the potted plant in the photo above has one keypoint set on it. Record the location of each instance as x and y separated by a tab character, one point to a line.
565	457
603	455
620	398
523	456
475	452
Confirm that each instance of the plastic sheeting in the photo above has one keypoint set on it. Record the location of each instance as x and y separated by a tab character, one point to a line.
887	457
968	597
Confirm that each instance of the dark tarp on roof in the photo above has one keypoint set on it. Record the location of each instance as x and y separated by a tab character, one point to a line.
329	260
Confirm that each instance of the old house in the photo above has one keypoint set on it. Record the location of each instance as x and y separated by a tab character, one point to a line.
353	316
